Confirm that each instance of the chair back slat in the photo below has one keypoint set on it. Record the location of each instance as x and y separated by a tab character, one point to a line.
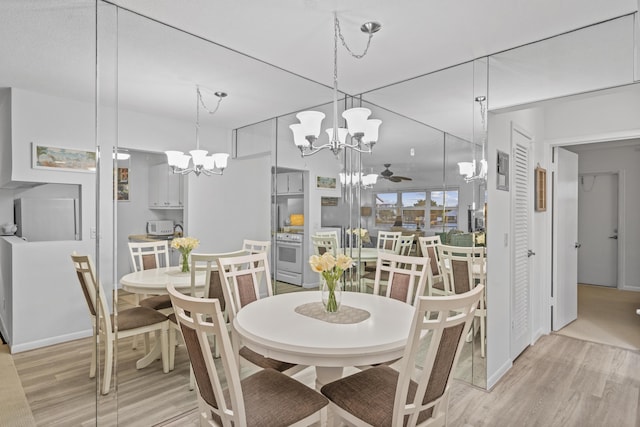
322	244
242	277
462	267
148	255
389	240
93	292
207	262
407	276
255	246
444	321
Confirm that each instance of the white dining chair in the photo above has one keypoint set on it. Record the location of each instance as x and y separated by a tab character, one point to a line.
435	282
240	277
266	397
417	392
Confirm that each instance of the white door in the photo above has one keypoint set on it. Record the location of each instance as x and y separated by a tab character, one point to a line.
598	229
565	239
521	199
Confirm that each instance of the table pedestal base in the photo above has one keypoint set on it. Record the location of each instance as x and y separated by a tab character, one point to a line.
325	375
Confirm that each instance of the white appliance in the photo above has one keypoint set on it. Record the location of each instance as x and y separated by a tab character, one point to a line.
160	228
289	264
40	220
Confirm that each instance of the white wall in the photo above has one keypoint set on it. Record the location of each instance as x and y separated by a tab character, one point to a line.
224	210
65	123
5	137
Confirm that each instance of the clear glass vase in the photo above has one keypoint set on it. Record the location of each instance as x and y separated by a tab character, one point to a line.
331	295
184	263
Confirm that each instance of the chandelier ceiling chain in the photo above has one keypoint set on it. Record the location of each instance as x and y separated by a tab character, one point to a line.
202	163
363	130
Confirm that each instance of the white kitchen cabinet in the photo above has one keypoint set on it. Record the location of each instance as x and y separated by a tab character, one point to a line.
289	183
165	188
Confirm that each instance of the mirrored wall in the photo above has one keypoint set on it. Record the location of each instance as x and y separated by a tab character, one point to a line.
430	124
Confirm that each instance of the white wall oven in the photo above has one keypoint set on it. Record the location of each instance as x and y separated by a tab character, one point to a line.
289	263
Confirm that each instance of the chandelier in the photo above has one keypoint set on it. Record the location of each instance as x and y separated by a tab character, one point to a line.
202	163
355	179
473	171
363	131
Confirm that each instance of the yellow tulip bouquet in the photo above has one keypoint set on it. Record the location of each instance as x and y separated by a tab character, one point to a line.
185	245
331	269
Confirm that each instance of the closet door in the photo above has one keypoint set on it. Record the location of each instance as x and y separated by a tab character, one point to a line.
521	200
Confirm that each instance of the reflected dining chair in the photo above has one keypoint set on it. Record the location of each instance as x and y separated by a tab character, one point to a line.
255	246
322	244
417	394
130	322
265	398
241	283
145	256
435	282
388	241
464	267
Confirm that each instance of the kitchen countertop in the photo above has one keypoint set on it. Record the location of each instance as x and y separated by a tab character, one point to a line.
150	238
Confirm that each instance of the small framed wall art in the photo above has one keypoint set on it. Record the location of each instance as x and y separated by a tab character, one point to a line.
325	182
502	171
541	189
122	184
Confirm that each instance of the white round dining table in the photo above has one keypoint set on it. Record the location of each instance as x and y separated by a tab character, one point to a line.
273	328
154	280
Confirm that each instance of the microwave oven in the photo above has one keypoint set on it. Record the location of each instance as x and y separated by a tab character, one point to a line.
160	228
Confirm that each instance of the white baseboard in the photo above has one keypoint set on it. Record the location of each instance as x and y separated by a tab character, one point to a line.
18	348
493	379
537	335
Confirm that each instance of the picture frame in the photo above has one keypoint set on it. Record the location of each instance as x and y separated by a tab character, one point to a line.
540	189
502	171
65	159
325	182
121	181
329	201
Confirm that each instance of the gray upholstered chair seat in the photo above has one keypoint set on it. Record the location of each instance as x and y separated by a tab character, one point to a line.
137	317
369	395
157	302
265	392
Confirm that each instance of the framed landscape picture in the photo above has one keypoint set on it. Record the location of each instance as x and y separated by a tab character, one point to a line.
45	157
325	182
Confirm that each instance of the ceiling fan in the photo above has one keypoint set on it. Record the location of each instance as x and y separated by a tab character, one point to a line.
387	174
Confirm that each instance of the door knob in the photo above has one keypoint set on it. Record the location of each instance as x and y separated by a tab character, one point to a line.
578	245
614	237
530	252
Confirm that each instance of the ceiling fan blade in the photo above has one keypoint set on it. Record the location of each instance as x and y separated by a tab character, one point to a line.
394	179
405	178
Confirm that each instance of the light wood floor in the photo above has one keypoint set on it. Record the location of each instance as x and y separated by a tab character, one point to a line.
560	381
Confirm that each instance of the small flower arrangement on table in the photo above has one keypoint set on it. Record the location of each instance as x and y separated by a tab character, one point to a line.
331	269
363	233
185	245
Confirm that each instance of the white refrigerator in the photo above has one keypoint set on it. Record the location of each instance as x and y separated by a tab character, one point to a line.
41	220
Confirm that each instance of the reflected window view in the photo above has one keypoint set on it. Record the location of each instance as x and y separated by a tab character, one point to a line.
427	191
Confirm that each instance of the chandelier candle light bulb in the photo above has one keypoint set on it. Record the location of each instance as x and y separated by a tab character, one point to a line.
331	269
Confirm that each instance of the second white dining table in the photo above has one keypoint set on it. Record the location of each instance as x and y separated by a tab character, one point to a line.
273	327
